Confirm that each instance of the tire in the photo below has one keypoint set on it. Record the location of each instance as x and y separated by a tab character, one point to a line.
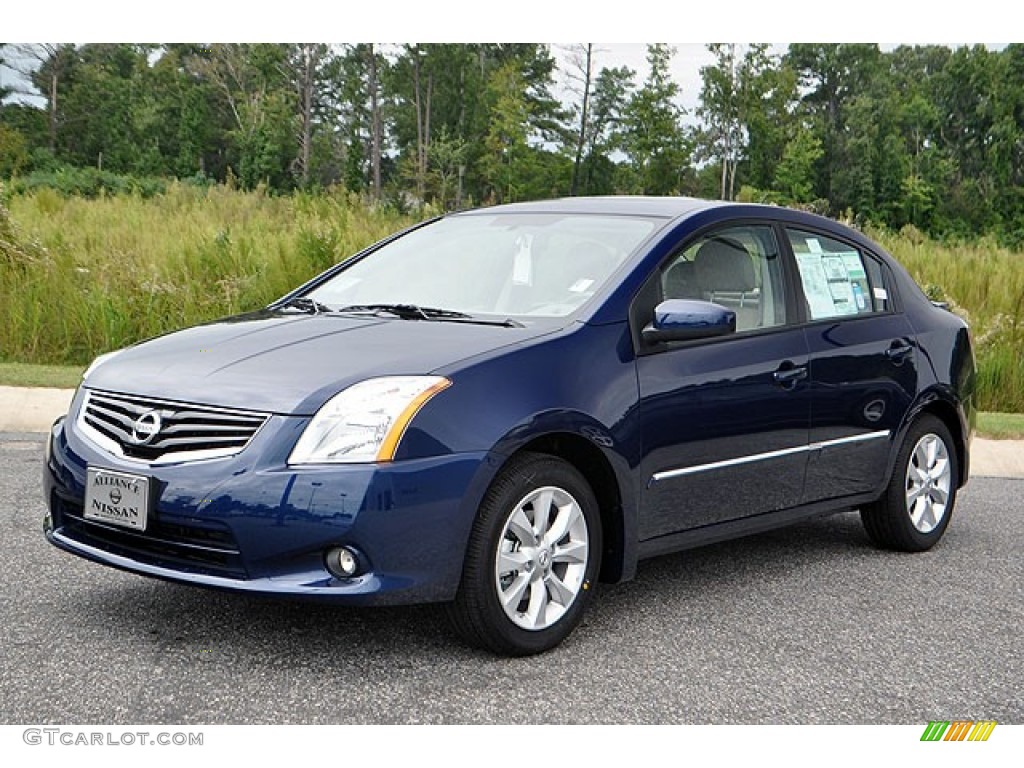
527	578
915	509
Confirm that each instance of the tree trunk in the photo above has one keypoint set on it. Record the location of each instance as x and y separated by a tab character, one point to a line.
725	175
375	148
53	107
308	71
426	127
581	137
419	123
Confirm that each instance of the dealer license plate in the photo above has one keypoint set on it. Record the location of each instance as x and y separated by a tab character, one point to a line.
117	498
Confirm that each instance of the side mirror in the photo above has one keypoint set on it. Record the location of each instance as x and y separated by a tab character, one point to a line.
685	319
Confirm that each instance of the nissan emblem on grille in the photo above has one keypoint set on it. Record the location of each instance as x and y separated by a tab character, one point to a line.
146	427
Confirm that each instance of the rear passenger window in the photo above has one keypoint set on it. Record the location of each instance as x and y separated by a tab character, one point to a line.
738	268
837	279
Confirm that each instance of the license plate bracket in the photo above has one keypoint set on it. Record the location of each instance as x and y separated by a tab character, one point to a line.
117	498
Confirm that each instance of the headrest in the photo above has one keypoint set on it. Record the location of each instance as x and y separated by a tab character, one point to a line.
724	265
681	281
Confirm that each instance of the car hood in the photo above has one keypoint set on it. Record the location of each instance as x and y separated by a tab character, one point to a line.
283	363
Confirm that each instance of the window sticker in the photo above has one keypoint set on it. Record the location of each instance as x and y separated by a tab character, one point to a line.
522	265
812	275
839	286
854	266
858	297
834	283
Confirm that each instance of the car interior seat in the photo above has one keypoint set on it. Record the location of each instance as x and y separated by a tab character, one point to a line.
725	274
681	281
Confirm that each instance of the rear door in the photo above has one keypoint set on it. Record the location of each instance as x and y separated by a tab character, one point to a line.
863	364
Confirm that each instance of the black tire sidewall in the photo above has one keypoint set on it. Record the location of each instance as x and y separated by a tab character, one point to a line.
516	482
914	539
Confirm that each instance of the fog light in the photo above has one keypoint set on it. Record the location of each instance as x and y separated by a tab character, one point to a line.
342	562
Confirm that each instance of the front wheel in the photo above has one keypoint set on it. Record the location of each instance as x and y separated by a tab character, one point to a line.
915	509
532	558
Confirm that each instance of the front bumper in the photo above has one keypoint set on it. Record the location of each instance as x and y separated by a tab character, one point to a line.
250	523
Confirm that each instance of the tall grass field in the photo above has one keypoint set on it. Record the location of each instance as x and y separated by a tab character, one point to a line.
79	277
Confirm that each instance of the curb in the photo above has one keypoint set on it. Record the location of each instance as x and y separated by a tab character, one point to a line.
27	409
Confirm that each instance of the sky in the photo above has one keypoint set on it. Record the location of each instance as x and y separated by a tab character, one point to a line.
883	21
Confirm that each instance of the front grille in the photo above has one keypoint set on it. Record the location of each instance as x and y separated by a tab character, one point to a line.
183	431
205	549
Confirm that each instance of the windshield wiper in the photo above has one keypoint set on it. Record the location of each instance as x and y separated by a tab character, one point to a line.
416	312
305	304
405	311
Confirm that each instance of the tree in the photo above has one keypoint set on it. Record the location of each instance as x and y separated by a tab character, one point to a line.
45	66
768	89
652	135
309	68
376	126
252	81
722	113
831	76
447	162
13	152
612	90
794	176
505	144
581	76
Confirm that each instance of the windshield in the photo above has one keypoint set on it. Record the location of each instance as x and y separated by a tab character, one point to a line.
510	264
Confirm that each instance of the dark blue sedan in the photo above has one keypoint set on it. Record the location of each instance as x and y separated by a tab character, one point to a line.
500	408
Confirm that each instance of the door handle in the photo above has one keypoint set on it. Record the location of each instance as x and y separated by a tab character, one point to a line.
898	351
790	374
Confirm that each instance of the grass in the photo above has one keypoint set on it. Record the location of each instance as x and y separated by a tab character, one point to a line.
83	276
984	283
79	277
29	375
1001	426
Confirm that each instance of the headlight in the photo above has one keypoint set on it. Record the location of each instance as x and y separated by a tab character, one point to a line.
366	421
99	361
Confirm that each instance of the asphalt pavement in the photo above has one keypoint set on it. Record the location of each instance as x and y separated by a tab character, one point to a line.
809	624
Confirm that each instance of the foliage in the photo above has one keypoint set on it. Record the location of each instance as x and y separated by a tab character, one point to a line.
652	135
88	182
78	276
984	283
930	135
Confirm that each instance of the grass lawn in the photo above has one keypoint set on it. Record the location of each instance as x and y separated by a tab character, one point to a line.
1005	426
27	375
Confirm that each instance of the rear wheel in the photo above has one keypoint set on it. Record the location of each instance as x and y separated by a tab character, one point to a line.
532	558
915	509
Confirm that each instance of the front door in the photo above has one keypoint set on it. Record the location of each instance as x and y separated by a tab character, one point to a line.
725	421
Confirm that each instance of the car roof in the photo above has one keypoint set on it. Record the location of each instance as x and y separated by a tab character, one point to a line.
662	207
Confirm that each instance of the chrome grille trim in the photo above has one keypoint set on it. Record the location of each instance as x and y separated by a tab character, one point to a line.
189	432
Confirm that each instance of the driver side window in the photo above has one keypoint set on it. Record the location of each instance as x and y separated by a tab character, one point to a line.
738	268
